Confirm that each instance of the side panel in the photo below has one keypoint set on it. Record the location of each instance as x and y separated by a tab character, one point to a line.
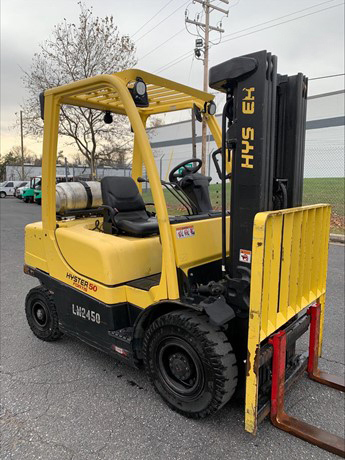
34	247
86	318
289	270
107	259
198	242
99	255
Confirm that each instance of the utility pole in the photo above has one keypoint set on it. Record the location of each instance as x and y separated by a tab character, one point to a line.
22	142
205	88
66	169
206	28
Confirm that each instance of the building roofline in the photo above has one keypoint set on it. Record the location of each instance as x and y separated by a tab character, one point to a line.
316	96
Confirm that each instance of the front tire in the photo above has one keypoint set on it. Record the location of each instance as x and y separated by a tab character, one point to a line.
190	363
41	314
2	195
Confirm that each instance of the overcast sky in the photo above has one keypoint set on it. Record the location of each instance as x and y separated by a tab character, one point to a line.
313	44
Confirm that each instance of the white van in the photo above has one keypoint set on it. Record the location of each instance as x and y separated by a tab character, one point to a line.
8	187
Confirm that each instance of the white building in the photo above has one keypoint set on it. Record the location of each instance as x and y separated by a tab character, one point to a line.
172	143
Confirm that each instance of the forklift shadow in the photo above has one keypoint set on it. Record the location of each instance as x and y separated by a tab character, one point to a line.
95	363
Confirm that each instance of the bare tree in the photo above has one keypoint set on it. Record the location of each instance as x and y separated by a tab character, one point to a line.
154	123
77	51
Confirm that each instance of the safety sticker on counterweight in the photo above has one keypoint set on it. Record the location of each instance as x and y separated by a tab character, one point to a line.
185	232
245	256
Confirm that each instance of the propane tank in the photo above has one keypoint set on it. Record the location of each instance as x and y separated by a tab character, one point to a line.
78	195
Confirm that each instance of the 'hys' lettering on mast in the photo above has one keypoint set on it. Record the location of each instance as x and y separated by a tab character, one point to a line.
248	133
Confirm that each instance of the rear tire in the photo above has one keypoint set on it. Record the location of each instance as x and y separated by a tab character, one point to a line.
25	200
190	363
41	314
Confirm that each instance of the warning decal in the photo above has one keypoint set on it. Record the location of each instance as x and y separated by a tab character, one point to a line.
245	256
185	232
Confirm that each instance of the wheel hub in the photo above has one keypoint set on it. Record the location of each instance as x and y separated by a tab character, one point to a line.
180	366
39	315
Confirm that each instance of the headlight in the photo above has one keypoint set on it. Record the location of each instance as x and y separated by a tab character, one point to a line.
139	93
211	108
140	88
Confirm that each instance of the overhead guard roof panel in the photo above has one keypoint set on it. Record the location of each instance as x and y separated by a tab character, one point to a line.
99	93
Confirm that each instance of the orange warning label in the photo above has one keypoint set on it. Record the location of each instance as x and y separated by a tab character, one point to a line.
245	256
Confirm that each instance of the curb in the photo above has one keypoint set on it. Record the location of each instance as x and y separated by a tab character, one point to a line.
335	238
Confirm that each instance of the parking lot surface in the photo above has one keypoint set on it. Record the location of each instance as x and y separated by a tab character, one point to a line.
68	401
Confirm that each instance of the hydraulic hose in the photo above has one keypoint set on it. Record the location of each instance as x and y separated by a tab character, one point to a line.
224	118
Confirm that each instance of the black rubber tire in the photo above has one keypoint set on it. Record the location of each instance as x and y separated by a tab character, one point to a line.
38	202
2	194
26	200
216	357
39	298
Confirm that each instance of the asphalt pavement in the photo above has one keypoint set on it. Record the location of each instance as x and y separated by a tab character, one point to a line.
68	401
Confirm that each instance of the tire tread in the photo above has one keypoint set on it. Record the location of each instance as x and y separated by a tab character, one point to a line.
217	346
54	333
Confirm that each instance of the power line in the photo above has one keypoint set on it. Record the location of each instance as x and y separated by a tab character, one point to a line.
283	22
147	22
178	60
279	17
327	76
166	41
163	20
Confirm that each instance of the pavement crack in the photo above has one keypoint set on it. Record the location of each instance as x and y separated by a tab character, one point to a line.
36	366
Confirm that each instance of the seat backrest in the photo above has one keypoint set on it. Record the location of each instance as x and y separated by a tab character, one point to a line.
121	193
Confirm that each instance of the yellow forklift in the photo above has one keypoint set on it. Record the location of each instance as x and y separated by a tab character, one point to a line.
209	301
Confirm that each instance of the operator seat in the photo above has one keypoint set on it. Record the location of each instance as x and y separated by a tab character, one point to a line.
125	210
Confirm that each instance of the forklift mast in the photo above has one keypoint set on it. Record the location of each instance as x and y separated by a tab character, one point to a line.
263	135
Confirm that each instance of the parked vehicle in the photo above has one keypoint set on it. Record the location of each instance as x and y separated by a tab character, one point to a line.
38	195
8	187
19	190
28	194
38	189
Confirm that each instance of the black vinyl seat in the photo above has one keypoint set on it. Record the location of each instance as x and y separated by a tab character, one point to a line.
125	210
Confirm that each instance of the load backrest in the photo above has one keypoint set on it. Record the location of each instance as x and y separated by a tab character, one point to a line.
289	269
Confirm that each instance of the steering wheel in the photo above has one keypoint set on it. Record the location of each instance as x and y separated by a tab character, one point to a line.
175	174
